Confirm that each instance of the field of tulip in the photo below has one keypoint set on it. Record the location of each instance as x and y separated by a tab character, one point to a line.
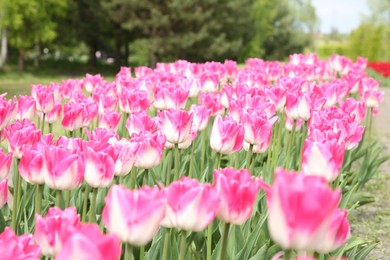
191	161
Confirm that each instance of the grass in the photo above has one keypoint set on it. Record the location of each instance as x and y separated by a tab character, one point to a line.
385	82
14	82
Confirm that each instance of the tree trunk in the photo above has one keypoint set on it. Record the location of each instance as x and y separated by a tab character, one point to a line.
92	56
118	46
4	47
22	54
127	53
37	57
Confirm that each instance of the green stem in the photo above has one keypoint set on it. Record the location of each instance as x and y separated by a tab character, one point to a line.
124	116
183	245
142	253
278	143
290	145
17	195
301	144
43	124
166	244
85	204
209	240
369	126
249	157
217	160
92	212
287	255
38	199
128	252
192	159
67	198
50	128
203	152
58	198
133	182
225	234
177	161
169	168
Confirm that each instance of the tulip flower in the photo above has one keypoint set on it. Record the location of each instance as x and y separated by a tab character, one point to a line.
44	97
138	122
126	156
133	101
238	191
26	108
134	216
87	242
32	167
109	120
175	125
258	129
191	206
52	230
73	116
201	116
5	164
18	247
322	158
8	111
336	235
99	168
3	192
91	82
227	135
300	209
21	135
149	153
52	116
65	170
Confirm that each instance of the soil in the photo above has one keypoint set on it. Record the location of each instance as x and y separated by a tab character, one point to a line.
372	221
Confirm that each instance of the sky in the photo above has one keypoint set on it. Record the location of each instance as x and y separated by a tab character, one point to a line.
345	15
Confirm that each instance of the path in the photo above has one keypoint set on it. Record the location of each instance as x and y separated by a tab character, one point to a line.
372	221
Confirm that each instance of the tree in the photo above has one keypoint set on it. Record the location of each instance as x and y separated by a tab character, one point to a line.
281	27
31	22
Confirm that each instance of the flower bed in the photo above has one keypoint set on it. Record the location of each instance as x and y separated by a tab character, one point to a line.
382	68
188	160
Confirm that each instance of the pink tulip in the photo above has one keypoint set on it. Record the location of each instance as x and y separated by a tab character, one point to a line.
300	209
277	95
209	82
44	97
65	170
32	167
75	145
175	97
133	101
73	116
21	135
53	230
102	136
336	235
201	117
87	242
191	206
106	103
134	216
109	120
175	125
238	191
138	122
52	116
322	158
149	153
340	64
18	247
5	164
99	168
91	82
70	86
8	111
258	129
211	101
227	135
26	108
354	108
3	192
126	156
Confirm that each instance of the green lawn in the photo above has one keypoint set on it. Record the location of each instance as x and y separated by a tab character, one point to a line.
14	82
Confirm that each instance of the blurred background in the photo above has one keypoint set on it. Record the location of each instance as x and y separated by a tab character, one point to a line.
72	37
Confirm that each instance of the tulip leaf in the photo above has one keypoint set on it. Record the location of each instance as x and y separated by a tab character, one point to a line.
261	254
